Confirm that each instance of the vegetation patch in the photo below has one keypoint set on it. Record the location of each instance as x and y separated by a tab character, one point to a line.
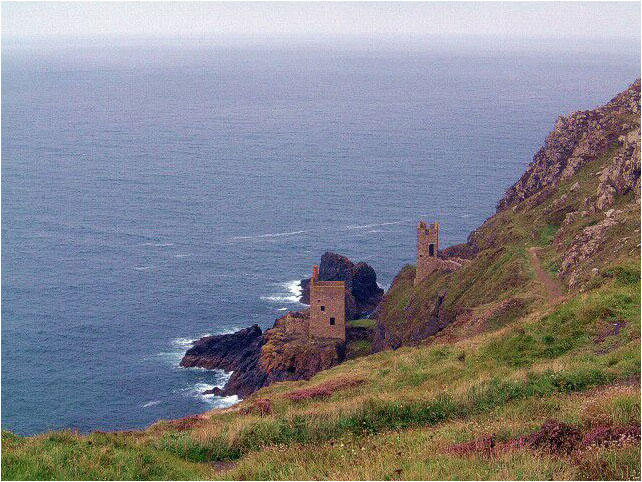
325	390
363	323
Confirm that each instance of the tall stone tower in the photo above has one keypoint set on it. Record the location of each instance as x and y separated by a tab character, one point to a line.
327	307
427	246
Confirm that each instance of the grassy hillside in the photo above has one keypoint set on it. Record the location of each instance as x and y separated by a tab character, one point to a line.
533	374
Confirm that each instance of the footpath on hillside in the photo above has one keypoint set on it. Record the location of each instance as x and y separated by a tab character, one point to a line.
553	289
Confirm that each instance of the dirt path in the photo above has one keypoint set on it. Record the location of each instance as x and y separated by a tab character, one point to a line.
553	289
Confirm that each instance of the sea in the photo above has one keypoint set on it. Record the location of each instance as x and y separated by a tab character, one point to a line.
154	194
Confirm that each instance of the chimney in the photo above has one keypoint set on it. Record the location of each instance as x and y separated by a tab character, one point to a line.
315	272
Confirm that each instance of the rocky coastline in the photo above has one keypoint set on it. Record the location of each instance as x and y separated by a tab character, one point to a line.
582	213
259	358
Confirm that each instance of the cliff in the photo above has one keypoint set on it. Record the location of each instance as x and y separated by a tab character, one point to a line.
612	130
225	352
572	216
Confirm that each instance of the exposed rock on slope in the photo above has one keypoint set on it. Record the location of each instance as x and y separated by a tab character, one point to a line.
416	319
581	138
288	356
362	292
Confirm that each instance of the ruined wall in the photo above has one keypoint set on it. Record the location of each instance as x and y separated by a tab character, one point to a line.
327	309
427	247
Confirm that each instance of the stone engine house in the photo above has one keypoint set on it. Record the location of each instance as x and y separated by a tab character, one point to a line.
427	247
327	307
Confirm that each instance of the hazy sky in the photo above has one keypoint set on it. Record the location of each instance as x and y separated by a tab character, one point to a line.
25	20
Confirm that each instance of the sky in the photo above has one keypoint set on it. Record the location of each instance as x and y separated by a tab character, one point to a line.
550	20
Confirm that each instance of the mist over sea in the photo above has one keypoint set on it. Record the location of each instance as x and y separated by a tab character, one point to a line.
152	195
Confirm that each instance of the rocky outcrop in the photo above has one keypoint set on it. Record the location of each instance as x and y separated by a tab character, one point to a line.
258	359
583	247
623	174
362	292
291	357
580	138
224	352
458	252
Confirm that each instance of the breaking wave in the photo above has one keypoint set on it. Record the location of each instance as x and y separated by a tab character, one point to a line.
214	401
290	293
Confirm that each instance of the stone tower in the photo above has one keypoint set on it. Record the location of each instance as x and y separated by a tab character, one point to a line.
327	307
427	246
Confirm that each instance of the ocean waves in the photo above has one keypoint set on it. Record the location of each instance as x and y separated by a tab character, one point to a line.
268	235
286	234
376	225
289	293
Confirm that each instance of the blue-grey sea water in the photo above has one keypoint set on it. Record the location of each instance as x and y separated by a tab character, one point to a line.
162	196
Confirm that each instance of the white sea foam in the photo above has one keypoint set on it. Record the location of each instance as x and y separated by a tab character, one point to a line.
268	235
366	226
151	404
158	245
182	255
169	358
184	343
290	293
142	268
385	288
215	401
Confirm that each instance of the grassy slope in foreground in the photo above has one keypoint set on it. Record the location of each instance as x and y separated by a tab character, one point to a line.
494	376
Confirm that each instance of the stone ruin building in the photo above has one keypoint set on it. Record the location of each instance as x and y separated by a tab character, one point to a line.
327	315
427	247
327	307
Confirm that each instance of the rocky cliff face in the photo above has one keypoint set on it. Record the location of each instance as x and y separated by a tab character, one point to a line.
414	318
289	356
362	292
581	138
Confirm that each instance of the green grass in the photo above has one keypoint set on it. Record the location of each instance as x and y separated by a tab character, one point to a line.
547	234
358	348
363	323
571	325
67	456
